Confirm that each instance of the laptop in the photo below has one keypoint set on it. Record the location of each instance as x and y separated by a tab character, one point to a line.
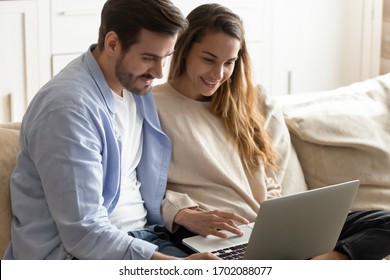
298	226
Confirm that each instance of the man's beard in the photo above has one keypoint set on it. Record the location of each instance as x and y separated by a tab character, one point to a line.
128	80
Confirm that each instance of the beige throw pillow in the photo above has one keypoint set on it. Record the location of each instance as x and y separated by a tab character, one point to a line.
343	135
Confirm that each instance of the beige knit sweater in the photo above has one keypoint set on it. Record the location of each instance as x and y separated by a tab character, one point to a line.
206	171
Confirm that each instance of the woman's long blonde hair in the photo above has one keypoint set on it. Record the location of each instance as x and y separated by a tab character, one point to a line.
236	101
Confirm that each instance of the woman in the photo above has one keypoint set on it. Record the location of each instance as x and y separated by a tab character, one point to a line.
223	162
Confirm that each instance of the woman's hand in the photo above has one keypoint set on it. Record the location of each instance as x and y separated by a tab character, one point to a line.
209	223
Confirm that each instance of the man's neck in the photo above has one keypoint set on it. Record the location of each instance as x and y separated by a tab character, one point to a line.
108	69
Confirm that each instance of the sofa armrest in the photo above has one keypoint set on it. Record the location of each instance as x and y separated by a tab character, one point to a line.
9	136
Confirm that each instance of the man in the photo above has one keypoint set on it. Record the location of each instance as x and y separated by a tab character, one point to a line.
93	161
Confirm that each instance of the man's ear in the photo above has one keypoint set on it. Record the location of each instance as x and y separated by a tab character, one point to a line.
111	43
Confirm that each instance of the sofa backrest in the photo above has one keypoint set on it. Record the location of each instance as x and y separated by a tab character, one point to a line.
9	147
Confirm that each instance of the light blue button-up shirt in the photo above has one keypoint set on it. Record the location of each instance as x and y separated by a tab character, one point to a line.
66	180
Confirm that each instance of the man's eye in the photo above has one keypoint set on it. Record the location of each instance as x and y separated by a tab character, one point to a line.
148	58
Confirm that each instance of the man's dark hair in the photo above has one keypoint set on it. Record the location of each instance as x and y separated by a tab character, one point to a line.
128	17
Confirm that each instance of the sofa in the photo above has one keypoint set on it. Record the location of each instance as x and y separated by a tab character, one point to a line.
9	134
341	135
335	136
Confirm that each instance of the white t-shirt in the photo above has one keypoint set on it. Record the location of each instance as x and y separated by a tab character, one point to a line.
130	213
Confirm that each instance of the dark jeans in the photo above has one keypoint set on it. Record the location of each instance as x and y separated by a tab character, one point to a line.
365	236
160	238
177	239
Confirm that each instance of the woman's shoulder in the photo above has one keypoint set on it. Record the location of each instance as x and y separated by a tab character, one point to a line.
161	90
166	94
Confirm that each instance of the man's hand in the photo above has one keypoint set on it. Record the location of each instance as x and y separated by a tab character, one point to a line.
209	223
196	256
202	256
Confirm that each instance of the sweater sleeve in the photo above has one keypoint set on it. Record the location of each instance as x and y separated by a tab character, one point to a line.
172	204
273	187
277	130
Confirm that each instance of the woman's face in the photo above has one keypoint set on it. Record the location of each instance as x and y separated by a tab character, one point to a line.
209	63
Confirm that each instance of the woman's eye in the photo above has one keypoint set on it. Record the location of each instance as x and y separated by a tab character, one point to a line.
208	60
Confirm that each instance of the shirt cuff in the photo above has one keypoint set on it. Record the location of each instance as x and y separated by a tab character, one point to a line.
140	250
172	204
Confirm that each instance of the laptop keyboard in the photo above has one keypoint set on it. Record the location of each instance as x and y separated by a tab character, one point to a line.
235	252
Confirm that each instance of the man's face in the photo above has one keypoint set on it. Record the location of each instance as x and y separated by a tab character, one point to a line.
144	61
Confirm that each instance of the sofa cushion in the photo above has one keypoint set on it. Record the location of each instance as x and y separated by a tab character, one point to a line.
293	179
344	134
9	149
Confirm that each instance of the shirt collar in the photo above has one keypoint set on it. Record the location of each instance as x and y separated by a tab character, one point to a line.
98	77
